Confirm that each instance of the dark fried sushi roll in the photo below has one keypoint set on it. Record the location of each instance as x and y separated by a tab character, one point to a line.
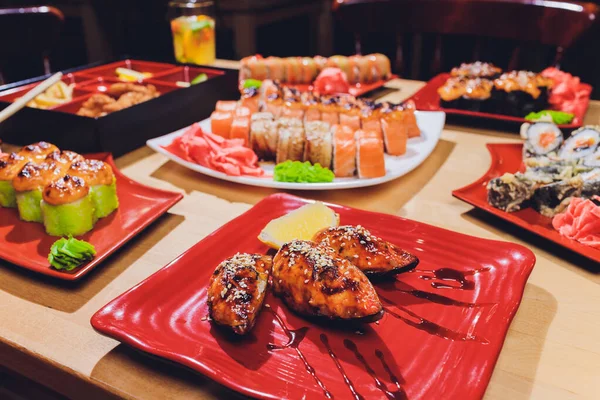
312	280
237	290
372	255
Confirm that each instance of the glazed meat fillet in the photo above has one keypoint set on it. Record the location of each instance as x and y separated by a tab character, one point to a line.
118	89
313	281
94	106
237	290
372	255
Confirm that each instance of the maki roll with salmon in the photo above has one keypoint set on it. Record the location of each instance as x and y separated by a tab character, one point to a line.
101	180
370	160
541	139
518	93
67	207
582	143
344	151
34	177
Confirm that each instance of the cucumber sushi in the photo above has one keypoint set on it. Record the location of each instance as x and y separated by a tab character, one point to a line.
99	176
10	165
31	180
67	207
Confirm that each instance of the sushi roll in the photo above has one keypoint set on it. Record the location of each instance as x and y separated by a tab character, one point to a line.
344	151
32	179
101	180
518	93
67	207
370	161
591	184
477	69
253	67
395	132
541	139
226	106
358	69
250	99
268	90
220	123
379	67
38	151
292	104
293	69
554	198
242	112
292	140
310	102
510	192
321	62
582	143
451	93
592	160
340	62
240	129
318	147
262	131
275	68
329	110
466	94
410	118
10	165
310	70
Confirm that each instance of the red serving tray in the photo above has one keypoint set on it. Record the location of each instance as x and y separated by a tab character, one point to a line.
165	315
428	99
508	158
26	243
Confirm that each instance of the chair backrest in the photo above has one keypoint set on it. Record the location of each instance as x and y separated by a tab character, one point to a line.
28	35
554	23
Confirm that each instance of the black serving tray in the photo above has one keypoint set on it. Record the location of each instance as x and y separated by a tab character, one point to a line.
125	130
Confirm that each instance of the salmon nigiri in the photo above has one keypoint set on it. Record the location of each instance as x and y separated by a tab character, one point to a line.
344	151
226	105
395	132
240	129
370	161
220	123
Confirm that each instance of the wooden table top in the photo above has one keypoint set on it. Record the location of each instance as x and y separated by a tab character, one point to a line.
552	350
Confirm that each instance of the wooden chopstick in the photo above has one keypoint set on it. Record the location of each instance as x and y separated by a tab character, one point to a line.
30	95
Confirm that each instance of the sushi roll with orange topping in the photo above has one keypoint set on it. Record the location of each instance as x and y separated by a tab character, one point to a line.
344	151
370	159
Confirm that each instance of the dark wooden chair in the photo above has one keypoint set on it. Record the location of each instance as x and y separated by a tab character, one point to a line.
551	23
27	35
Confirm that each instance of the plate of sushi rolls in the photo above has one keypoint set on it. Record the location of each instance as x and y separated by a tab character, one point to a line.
532	184
484	90
360	142
47	194
363	73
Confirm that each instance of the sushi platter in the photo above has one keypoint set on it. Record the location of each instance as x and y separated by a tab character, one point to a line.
166	315
548	186
482	90
115	107
418	149
48	194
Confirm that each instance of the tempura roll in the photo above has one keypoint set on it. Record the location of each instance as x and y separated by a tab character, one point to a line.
99	176
67	207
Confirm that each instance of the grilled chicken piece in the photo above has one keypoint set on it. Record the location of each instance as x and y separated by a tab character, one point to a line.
372	255
313	281
237	290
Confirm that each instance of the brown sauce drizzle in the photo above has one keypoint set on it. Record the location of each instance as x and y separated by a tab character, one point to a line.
355	394
439	299
431	327
393	377
295	337
450	275
350	345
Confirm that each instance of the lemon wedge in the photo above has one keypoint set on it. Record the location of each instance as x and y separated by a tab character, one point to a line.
130	75
301	224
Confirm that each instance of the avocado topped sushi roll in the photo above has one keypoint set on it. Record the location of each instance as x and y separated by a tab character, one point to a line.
10	165
31	180
99	176
67	207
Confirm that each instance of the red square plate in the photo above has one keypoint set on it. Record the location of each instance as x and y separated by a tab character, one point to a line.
508	158
27	245
440	338
428	99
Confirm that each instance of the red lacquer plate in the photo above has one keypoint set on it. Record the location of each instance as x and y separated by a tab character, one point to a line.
428	99
439	338
26	244
509	158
